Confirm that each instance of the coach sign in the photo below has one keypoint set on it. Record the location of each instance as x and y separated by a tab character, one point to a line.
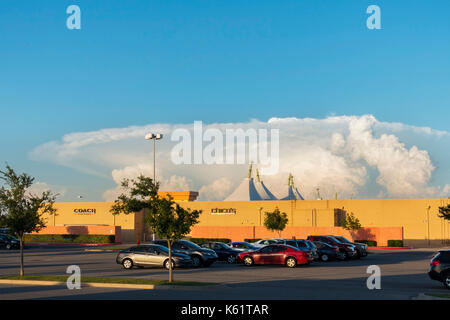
84	211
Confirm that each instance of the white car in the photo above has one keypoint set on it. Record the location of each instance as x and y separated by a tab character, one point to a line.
264	242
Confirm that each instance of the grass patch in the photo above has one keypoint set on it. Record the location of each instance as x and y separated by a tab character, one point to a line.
439	295
108	280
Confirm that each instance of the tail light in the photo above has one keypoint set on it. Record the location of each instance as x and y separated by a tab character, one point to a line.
118	253
435	263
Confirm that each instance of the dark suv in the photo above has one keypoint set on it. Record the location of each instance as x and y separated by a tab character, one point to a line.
200	256
440	267
9	242
224	251
348	250
361	248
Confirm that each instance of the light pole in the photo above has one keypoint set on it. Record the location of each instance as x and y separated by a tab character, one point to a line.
154	137
428	224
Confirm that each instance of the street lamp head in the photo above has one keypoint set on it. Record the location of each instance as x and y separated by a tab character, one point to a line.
156	136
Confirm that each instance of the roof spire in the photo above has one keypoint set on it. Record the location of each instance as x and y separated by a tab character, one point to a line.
290	180
250	170
257	175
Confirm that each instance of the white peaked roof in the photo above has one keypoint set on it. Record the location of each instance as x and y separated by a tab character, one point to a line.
292	192
299	194
262	190
245	192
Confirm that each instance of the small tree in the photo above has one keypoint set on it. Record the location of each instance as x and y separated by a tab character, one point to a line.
166	217
444	212
20	211
350	222
276	221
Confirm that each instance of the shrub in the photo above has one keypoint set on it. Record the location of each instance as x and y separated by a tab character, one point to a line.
200	241
370	243
395	243
70	238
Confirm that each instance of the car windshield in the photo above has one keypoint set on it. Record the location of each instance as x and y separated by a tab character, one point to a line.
161	248
342	239
311	244
337	240
190	244
302	244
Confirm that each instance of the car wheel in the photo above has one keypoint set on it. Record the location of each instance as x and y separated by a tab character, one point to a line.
196	261
127	264
346	256
8	246
231	259
167	265
447	281
324	257
248	261
291	262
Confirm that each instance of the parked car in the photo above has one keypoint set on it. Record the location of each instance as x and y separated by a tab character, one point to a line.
4	230
361	248
9	242
242	246
328	252
200	256
264	242
303	245
348	250
440	267
223	251
275	254
151	255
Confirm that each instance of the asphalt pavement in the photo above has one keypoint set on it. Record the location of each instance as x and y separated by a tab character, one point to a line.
403	276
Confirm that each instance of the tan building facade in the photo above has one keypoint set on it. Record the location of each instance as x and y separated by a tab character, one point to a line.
415	221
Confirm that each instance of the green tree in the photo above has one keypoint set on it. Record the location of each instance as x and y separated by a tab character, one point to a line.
276	220
444	212
350	222
166	217
20	211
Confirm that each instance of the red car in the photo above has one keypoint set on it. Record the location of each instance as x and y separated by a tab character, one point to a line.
275	254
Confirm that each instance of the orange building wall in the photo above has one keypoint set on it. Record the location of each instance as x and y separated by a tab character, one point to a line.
381	235
82	230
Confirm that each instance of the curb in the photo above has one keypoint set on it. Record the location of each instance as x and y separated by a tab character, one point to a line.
84	284
108	285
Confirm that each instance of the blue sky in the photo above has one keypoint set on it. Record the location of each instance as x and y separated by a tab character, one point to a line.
142	62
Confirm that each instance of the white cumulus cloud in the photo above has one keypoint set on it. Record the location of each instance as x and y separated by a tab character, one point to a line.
347	155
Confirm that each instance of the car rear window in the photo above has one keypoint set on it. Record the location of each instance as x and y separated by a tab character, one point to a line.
444	256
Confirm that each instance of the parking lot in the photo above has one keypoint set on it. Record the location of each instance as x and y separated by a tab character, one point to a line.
403	276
